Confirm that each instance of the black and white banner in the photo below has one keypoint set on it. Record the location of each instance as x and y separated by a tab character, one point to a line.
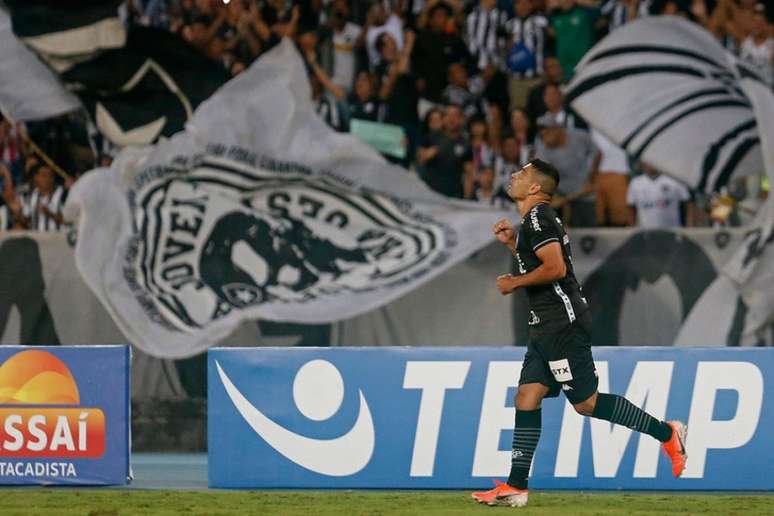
664	90
259	210
676	99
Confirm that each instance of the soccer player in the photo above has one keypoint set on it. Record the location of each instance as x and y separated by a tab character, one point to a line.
559	350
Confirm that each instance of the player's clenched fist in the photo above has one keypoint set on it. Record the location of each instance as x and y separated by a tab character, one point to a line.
506	284
504	231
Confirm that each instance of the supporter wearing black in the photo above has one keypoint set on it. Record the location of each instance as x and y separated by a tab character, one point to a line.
447	159
363	103
435	49
559	350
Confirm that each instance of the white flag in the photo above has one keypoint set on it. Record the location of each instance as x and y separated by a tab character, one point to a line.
666	91
675	98
259	210
29	90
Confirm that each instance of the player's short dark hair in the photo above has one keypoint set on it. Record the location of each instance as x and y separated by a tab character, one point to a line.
546	169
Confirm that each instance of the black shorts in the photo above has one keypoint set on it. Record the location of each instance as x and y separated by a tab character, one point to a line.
563	361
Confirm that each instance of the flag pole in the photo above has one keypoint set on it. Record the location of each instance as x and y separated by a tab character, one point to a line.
37	150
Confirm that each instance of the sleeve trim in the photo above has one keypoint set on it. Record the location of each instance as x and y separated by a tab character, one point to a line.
544	242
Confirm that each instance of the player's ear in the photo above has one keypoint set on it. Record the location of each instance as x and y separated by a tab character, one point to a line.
534	188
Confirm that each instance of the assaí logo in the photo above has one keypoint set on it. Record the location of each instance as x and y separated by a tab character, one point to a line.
40	412
318	392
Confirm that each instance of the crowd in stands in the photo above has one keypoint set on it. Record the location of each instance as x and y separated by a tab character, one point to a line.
473	89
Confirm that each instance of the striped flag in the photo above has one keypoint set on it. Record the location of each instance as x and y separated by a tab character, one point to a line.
669	94
664	90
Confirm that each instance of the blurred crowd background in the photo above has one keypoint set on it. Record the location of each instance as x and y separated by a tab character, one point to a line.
462	93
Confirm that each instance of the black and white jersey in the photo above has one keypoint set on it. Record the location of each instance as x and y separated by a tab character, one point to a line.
618	13
532	32
484	34
54	201
555	305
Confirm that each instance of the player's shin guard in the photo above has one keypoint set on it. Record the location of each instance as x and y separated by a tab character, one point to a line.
621	411
526	434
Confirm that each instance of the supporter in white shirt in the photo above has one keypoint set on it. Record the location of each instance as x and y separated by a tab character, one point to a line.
377	23
655	200
758	48
612	182
346	37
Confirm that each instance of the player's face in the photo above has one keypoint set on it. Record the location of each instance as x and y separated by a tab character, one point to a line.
520	182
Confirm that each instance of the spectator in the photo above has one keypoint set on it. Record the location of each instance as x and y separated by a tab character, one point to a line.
485	34
436	48
448	159
377	23
616	13
485	192
398	89
521	130
611	182
655	200
731	22
12	147
482	152
432	129
41	209
556	110
327	105
346	37
573	153
507	162
573	28
363	103
758	47
201	31
527	38
7	197
552	75
459	93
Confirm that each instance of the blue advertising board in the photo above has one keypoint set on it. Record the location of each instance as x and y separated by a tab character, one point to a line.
443	418
64	415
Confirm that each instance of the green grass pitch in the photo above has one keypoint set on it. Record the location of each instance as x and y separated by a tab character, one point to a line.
114	502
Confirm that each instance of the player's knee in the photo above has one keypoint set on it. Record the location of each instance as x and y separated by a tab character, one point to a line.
528	399
586	407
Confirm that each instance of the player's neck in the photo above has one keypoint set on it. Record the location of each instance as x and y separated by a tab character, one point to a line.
530	202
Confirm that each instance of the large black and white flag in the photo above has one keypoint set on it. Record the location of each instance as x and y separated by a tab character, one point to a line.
138	84
259	210
666	91
29	90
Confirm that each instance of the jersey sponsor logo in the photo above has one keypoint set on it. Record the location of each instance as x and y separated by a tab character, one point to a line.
533	318
560	369
341	456
533	216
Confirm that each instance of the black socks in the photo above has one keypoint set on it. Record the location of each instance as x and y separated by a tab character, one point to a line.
526	435
621	411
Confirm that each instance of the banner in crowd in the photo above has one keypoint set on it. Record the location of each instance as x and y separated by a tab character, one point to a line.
259	210
29	89
137	84
64	415
672	97
443	418
676	99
